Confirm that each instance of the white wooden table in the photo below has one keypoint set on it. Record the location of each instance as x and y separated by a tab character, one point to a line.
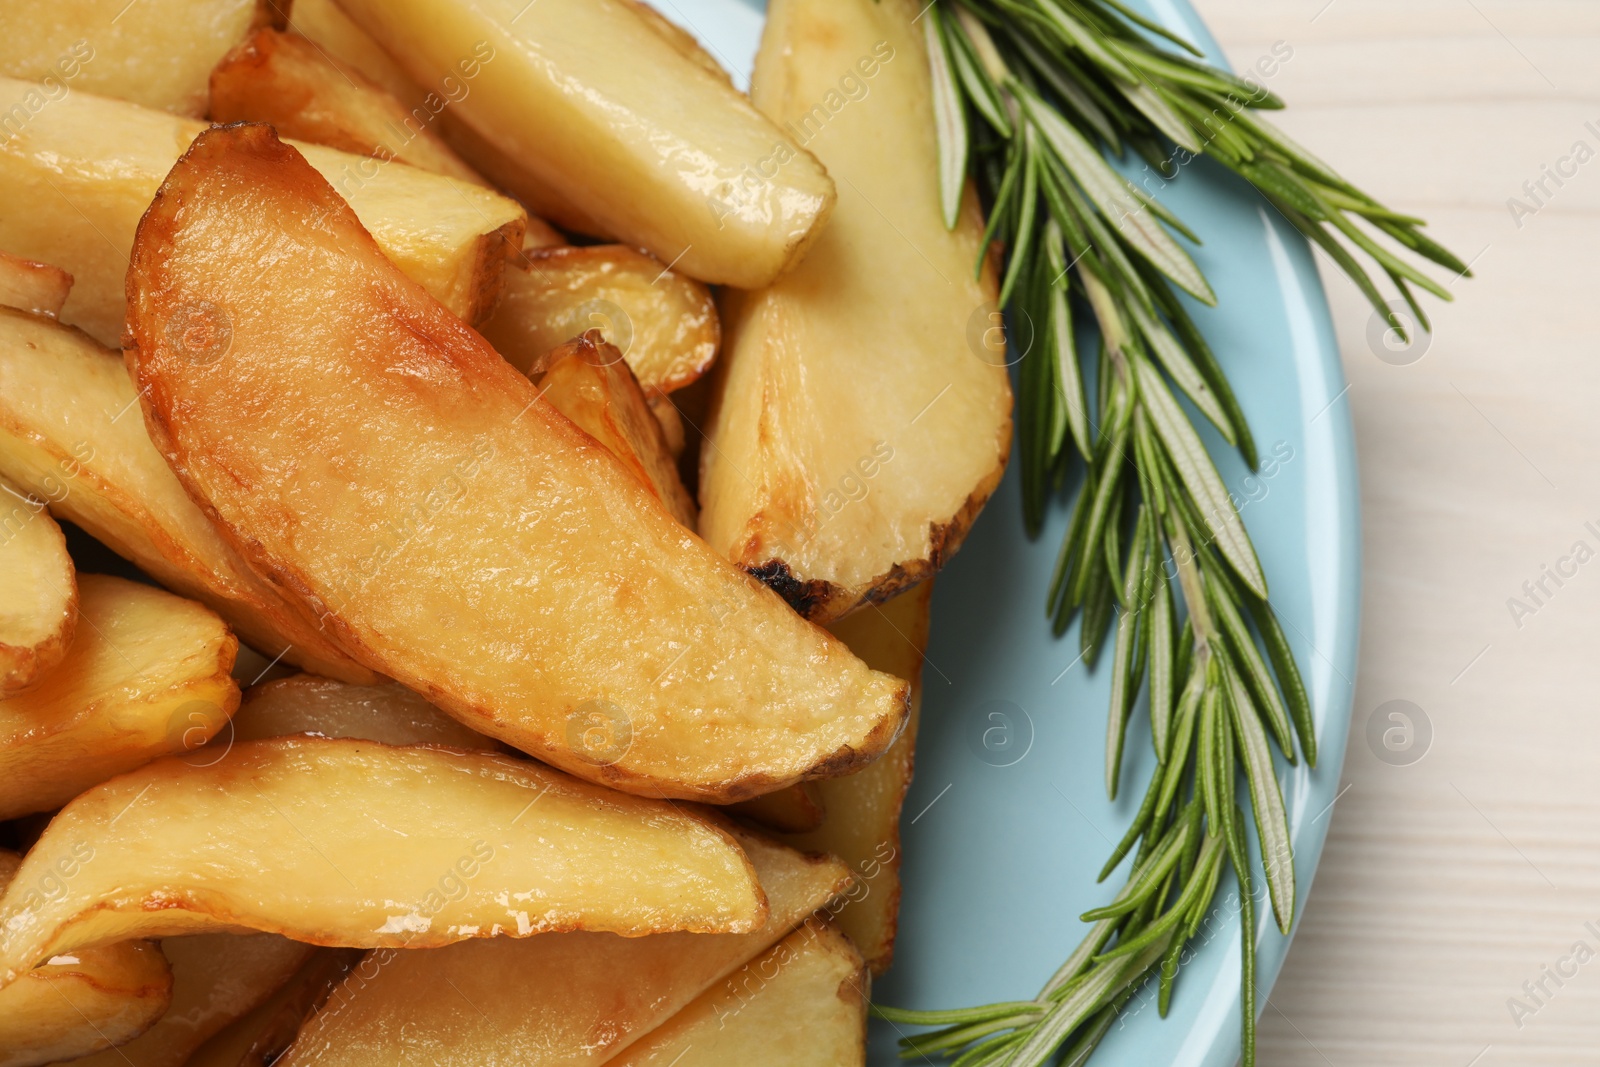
1449	882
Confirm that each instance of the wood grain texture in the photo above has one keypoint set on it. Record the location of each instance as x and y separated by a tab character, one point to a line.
1448	883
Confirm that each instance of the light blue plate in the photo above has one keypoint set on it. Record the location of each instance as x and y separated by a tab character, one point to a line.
1007	823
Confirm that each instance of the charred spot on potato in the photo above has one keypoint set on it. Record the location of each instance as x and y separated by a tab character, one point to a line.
805	597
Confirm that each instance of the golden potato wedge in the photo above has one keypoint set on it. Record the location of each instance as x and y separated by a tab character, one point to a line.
80	1003
285	80
76	177
587	100
572	1000
146	674
803	1003
665	324
793	810
859	425
589	382
40	609
388	713
154	52
325	24
216	978
37	288
862	821
260	1037
353	843
454	531
672	431
70	433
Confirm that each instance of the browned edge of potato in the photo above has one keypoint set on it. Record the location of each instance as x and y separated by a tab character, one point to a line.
788	811
526	516
37	288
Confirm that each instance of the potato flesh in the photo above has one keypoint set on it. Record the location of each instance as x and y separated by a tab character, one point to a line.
40	609
146	674
862	821
80	1004
344	842
665	324
801	1004
552	602
564	1000
282	79
216	978
592	385
260	1037
78	175
858	427
594	104
156	52
325	24
70	433
794	810
389	713
37	288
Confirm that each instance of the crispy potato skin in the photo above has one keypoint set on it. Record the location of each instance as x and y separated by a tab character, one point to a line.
40	612
803	1003
147	674
857	428
343	842
62	1011
360	406
575	1000
665	323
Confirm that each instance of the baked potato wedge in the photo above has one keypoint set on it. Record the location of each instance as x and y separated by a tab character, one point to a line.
80	1003
285	80
76	177
146	675
859	424
216	978
154	52
70	434
573	1000
793	810
352	843
862	821
324	24
589	382
637	141
37	288
664	323
803	1003
353	433
40	609
259	1038
388	713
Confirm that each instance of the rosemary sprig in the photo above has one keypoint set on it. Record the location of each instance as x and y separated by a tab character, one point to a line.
1030	97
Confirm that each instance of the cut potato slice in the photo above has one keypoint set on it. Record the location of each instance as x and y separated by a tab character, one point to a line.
283	79
261	1037
327	26
801	1004
80	1003
70	433
589	382
860	424
37	288
154	52
378	460
353	843
146	674
390	714
862	821
679	38
40	609
216	978
794	810
564	1000
588	100
76	178
665	323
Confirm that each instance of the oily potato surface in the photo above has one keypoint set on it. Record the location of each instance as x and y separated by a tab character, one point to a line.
372	455
858	426
146	674
352	843
40	609
37	288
